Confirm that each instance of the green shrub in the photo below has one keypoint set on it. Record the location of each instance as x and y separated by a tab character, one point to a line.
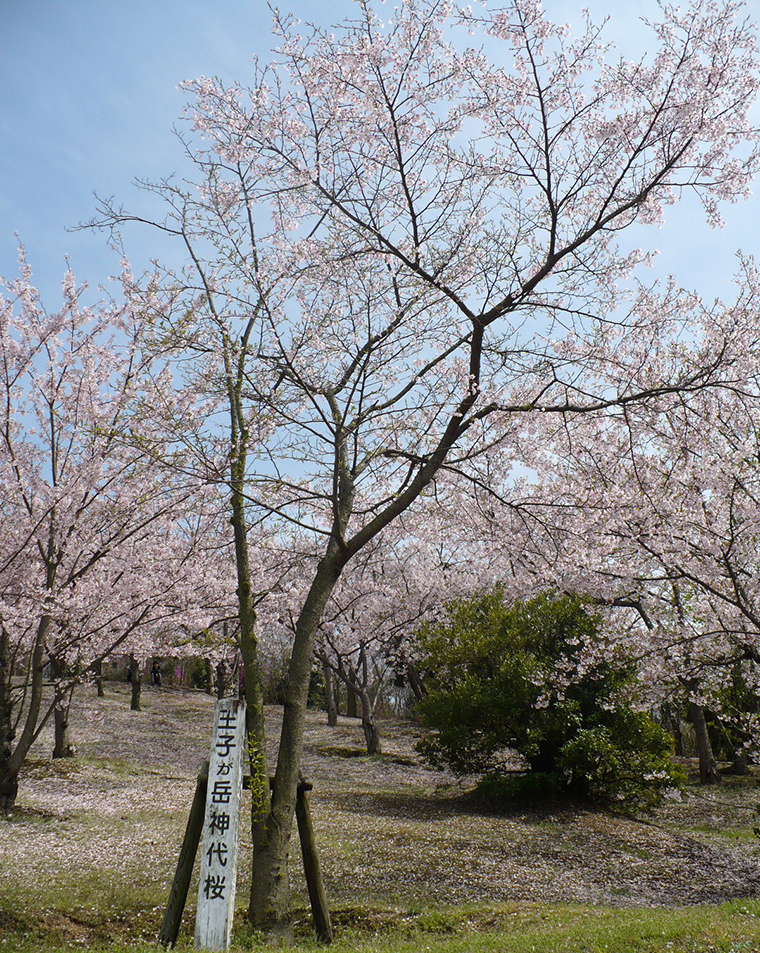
526	678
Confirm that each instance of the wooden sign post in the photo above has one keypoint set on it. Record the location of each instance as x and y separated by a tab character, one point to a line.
218	788
216	890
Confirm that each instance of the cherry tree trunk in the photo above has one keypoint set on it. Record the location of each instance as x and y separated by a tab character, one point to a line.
96	668
259	909
369	725
415	682
371	735
270	909
135	677
330	699
209	677
11	759
708	766
351	702
62	747
221	679
8	782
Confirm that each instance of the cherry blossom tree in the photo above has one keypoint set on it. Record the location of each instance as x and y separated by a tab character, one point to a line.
373	612
656	512
411	228
95	553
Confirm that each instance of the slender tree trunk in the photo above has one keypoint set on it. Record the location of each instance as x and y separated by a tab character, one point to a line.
135	677
11	759
62	748
708	766
234	357
369	725
221	679
258	912
415	682
209	677
270	889
98	670
331	702
8	784
351	709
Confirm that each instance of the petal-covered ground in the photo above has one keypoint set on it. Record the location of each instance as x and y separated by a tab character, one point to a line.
392	832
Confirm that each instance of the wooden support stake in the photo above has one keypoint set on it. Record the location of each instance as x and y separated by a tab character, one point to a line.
217	883
181	885
317	894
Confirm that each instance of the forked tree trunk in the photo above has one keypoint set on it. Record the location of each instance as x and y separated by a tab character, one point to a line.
708	766
11	759
135	677
330	699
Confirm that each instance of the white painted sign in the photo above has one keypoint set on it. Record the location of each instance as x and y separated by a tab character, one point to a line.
216	890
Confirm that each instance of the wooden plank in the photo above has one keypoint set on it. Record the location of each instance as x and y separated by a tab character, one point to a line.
218	878
178	895
317	894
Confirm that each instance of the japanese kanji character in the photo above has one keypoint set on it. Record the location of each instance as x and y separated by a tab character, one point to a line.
219	822
213	886
223	745
228	719
220	849
222	792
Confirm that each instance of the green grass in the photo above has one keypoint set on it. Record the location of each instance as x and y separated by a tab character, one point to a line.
567	929
520	928
86	861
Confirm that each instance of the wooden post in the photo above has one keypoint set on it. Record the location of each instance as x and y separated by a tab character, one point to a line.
218	878
316	887
181	885
195	822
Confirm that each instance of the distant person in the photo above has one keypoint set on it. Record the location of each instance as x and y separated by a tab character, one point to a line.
156	674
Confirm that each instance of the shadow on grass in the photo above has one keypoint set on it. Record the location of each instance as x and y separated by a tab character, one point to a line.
470	804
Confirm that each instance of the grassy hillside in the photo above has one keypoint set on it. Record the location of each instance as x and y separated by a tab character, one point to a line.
410	861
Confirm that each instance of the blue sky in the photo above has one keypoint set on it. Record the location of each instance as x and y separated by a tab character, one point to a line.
88	98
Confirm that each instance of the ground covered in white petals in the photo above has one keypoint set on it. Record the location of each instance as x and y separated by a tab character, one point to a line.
92	845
